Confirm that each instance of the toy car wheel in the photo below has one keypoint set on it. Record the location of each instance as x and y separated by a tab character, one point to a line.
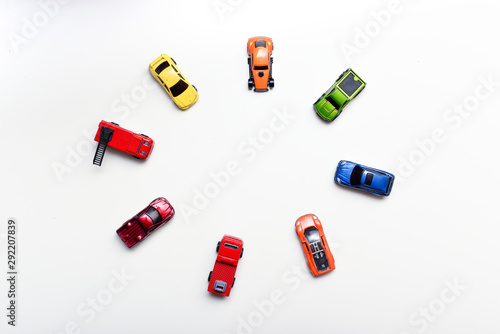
195	87
142	134
173	60
115	123
271	83
209	276
250	83
241	255
218	246
136	157
340	76
248	60
234	279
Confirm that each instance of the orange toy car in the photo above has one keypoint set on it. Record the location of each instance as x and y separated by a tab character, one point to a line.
319	257
260	63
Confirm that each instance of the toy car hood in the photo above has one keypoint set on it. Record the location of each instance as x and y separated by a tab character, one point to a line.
344	170
306	221
261	57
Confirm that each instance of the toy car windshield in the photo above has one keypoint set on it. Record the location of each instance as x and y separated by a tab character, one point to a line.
154	215
179	88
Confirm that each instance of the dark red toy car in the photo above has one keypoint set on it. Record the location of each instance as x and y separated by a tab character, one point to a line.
146	222
137	145
221	279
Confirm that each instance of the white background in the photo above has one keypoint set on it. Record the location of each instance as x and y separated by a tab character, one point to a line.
394	255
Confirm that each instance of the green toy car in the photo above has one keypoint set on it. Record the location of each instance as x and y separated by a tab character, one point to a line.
346	88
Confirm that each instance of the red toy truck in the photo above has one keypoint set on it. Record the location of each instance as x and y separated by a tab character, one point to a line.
221	279
146	222
137	145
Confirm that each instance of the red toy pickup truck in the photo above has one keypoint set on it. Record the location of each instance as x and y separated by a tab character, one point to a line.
146	222
137	145
221	278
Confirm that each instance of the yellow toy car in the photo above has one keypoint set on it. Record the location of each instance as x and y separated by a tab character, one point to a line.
165	70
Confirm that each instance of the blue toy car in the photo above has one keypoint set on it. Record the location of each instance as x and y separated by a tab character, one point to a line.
364	178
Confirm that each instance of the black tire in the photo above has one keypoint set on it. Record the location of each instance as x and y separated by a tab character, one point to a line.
115	123
340	76
250	83
136	157
271	70
271	83
173	60
195	87
142	134
241	255
234	279
250	69
218	246
209	276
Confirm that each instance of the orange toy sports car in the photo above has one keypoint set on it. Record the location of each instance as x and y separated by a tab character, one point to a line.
310	232
260	63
